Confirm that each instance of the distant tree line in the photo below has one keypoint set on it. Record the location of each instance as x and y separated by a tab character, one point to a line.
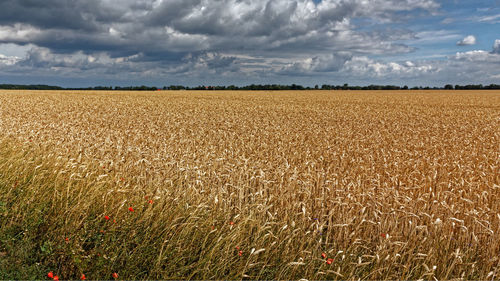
267	87
117	88
472	87
29	87
332	87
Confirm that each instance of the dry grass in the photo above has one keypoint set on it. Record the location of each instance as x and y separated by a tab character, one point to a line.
391	185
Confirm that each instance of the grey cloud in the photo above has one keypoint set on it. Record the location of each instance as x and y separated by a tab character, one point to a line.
195	36
206	62
326	63
43	58
190	25
65	14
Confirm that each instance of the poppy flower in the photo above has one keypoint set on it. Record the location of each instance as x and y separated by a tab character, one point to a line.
323	255
66	239
56	278
240	253
83	277
131	209
231	223
115	275
237	247
329	261
50	274
122	179
114	221
106	218
150	201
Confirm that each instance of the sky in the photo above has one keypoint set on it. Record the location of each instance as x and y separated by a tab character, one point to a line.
81	43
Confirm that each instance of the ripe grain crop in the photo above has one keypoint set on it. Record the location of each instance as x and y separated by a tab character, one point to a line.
250	185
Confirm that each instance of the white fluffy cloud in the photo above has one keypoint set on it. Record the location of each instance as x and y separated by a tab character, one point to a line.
371	68
496	46
8	60
18	32
468	40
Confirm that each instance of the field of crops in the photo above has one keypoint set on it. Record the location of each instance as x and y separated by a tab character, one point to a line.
250	185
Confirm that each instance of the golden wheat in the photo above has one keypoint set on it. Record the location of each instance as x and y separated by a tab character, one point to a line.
390	185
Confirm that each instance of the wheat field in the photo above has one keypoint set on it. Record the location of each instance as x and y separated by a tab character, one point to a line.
340	185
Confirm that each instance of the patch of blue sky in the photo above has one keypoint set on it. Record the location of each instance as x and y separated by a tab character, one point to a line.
435	36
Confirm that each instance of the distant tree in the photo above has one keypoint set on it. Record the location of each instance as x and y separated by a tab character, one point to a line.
492	87
448	87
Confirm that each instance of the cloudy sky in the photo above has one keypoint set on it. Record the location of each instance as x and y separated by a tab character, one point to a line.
80	43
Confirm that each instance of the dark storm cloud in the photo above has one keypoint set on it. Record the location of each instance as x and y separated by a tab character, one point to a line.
125	27
199	38
56	14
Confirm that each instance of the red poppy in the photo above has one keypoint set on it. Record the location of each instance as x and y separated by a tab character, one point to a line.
106	218
66	239
329	261
150	201
323	255
237	247
115	275
114	221
383	235
83	277
131	209
56	278
231	223
240	253
50	274
122	179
